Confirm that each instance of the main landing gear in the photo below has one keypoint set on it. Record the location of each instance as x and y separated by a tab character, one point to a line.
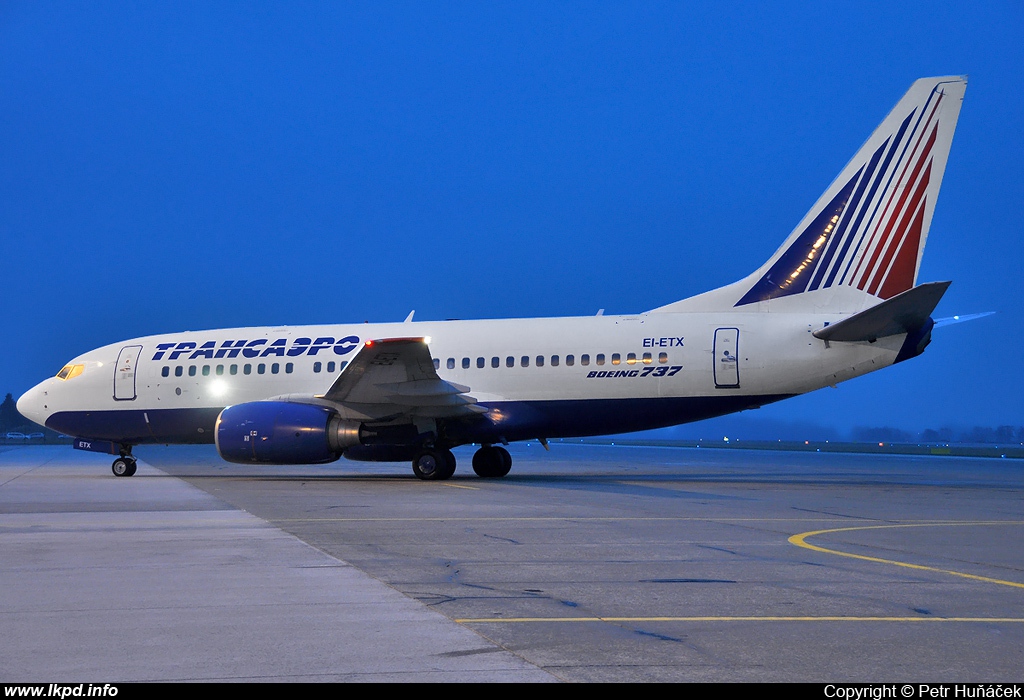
436	464
124	465
492	462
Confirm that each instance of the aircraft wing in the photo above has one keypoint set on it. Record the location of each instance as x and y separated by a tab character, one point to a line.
396	376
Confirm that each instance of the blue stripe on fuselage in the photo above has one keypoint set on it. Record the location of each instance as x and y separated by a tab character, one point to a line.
508	420
138	427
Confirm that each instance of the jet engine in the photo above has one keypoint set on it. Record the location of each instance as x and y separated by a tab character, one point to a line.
281	432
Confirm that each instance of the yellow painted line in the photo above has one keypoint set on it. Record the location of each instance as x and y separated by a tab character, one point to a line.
568	518
672	485
460	486
800	540
737	618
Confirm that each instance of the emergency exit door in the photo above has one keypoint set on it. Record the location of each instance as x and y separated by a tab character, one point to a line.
727	359
124	373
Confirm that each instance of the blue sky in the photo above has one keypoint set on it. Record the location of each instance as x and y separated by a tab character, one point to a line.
202	165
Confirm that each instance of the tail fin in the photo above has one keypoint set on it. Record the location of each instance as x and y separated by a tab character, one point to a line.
862	240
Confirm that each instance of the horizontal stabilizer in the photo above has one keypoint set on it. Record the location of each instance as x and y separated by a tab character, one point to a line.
903	313
940	322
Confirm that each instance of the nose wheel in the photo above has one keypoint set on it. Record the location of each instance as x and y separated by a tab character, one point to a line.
123	466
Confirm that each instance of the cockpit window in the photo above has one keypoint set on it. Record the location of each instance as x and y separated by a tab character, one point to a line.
70	371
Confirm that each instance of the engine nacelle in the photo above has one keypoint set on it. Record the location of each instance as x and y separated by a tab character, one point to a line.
281	432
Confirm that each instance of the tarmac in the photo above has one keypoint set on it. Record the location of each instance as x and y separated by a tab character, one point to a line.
109	580
586	563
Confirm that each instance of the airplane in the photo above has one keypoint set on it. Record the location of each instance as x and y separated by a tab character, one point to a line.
838	299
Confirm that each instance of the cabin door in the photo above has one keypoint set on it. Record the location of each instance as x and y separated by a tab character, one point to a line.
124	373
727	360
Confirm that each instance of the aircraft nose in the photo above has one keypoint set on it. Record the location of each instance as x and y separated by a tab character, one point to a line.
32	406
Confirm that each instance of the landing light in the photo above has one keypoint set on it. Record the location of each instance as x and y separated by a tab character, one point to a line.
218	387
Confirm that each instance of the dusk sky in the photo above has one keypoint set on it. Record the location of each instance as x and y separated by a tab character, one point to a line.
174	166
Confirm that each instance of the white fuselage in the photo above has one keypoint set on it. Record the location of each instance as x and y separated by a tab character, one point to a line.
623	366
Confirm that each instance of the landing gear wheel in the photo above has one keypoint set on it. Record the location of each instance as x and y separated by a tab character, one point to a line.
450	468
123	466
492	462
434	464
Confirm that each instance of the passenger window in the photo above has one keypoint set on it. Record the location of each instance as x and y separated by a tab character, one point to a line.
600	358
510	361
480	363
451	363
615	358
465	363
177	371
317	366
570	360
289	367
540	360
647	358
220	370
330	367
275	368
631	358
261	368
584	360
524	360
663	357
437	364
165	372
554	360
342	364
233	370
206	370
495	362
247	369
191	370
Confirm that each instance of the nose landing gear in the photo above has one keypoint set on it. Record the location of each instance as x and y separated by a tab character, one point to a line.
124	465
